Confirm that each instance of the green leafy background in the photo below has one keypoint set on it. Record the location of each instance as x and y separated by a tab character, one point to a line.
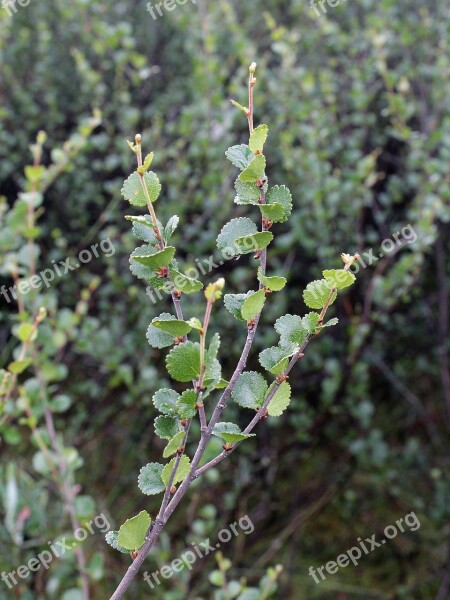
357	105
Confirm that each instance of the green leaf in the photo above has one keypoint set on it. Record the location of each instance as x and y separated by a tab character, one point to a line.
291	329
253	305
150	481
339	278
165	400
172	224
195	323
166	426
233	303
276	358
317	293
18	366
141	219
230	433
133	532
329	323
186	404
158	338
239	106
280	401
256	241
231	231
183	283
148	275
309	322
275	283
258	138
174	444
34	173
255	170
183	362
250	390
145	233
175	327
241	156
25	331
133	192
279	195
213	375
146	164
111	540
272	212
153	258
182	472
213	348
247	193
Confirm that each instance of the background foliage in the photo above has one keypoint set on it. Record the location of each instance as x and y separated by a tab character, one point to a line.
357	103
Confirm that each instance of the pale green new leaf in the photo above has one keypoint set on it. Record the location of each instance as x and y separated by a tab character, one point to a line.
174	444
150	481
258	138
165	400
254	242
253	305
310	322
182	471
239	106
133	532
255	170
273	212
250	390
153	258
274	283
166	426
186	404
133	192
18	366
174	327
183	362
280	401
183	283
339	278
317	293
111	540
233	303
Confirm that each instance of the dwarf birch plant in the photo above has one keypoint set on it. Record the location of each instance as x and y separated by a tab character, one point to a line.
193	355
